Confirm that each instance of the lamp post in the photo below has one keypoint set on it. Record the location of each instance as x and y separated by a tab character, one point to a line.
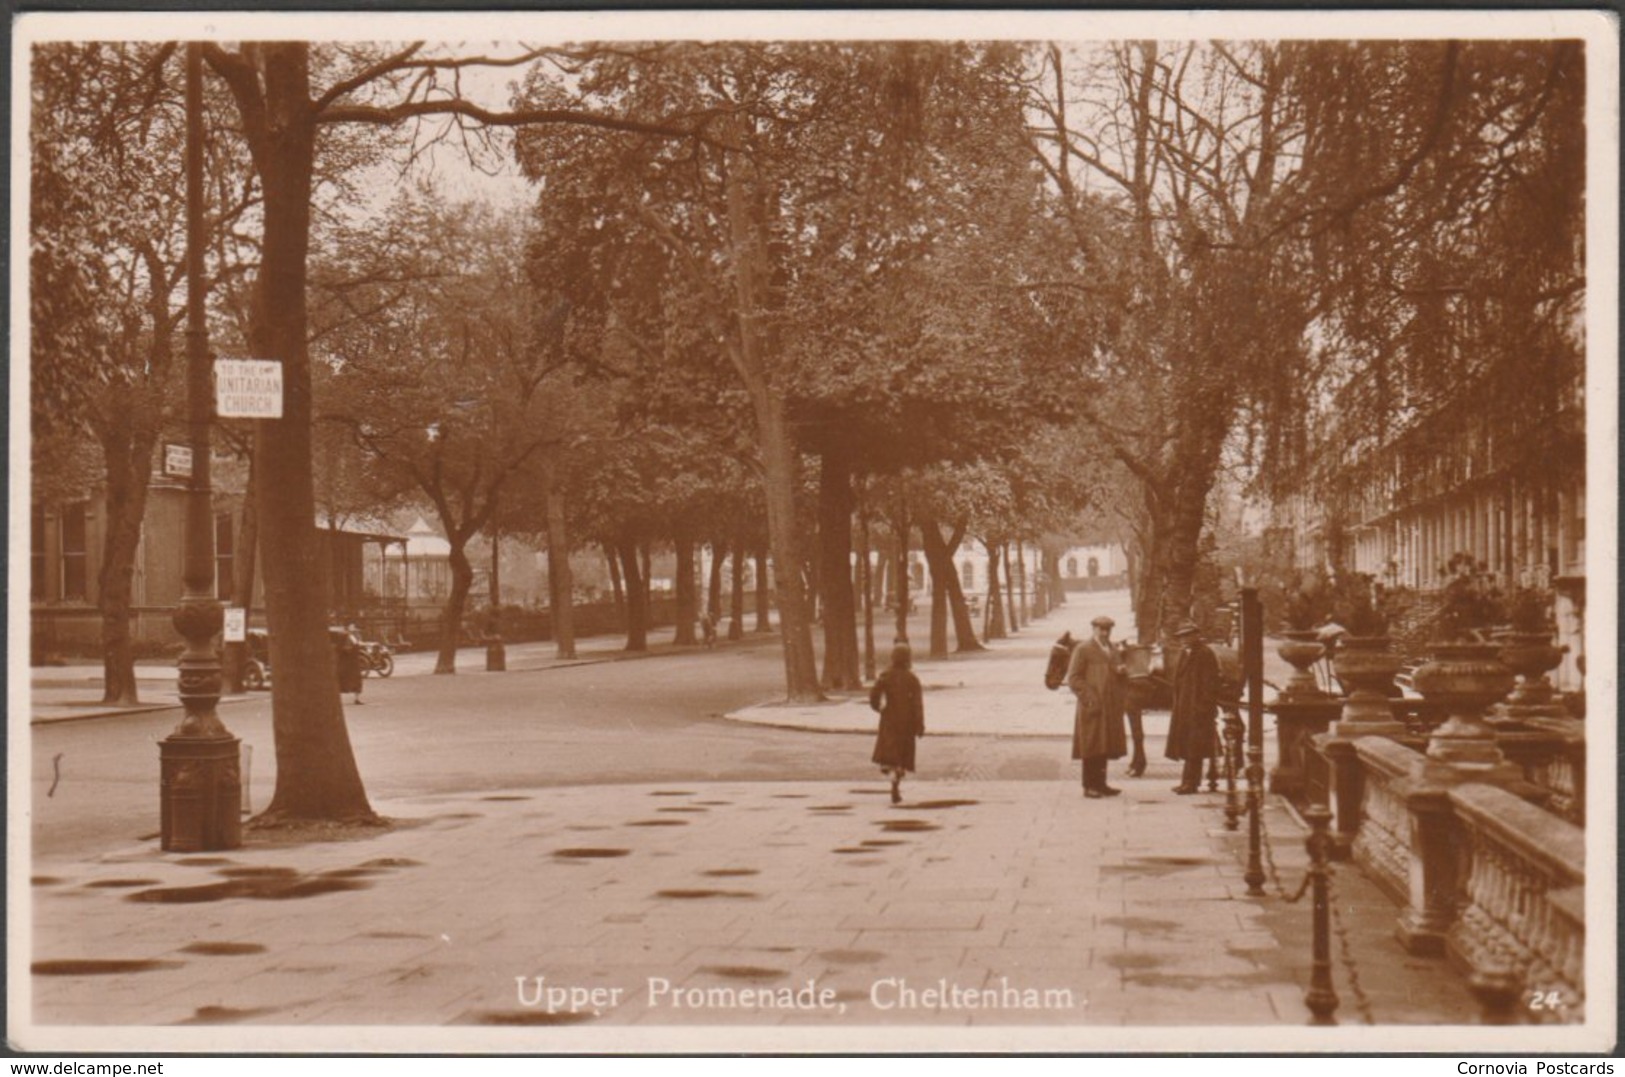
198	762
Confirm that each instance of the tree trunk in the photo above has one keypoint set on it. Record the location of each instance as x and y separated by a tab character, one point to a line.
736	597
316	775
560	579
1024	595
246	552
713	584
800	666
900	575
764	600
637	597
128	455
1051	560
939	617
1010	601
245	556
496	570
615	587
1171	572
835	572
750	353
939	557
993	619
685	593
1176	519
645	561
451	617
866	589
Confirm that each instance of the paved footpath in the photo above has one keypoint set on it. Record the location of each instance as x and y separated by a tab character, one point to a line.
69	693
995	692
620	918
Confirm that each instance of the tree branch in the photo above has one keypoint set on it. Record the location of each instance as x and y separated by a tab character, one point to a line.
399	113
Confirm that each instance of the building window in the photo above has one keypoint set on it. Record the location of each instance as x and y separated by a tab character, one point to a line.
75	559
36	549
1071	568
1094	566
224	567
967	576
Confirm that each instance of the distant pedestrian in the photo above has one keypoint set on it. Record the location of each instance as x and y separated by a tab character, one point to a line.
1192	735
898	697
1098	676
347	653
708	628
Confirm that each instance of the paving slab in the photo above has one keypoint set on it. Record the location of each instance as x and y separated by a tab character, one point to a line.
1133	910
444	922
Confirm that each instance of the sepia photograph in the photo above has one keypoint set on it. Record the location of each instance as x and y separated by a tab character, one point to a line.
813	532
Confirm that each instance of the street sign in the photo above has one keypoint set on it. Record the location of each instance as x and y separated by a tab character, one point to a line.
236	624
178	461
248	388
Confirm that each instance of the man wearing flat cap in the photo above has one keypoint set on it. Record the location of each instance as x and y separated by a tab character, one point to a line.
1097	675
1192	734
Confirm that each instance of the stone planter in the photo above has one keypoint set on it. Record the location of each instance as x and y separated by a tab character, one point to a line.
1466	678
1366	666
1530	655
1301	651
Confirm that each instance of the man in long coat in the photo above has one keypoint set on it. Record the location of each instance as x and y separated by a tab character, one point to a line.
1097	675
1192	734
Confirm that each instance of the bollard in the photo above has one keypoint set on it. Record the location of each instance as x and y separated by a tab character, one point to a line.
1321	998
1252	658
1232	765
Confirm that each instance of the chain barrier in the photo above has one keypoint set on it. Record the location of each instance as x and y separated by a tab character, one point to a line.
1274	872
1346	952
1362	1002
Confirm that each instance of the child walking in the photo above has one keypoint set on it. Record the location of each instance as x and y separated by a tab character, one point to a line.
897	696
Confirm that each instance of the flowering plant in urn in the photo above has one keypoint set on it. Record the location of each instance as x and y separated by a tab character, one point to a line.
1464	672
1304	606
1527	650
1363	660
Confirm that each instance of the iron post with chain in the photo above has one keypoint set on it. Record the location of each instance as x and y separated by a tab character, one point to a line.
1321	998
1233	733
1252	659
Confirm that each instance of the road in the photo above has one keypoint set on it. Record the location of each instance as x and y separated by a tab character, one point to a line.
649	719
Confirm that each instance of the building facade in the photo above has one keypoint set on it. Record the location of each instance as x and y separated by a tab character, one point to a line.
1400	509
66	542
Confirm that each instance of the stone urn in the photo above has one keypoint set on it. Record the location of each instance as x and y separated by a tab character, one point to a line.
1530	655
1465	678
1301	650
1367	667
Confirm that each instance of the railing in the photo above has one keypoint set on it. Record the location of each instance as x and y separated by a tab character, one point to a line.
1520	924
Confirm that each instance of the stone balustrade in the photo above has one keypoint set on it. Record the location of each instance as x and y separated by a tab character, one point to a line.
1552	754
1382	842
1519	929
1482	870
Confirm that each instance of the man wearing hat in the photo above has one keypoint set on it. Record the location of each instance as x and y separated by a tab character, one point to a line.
1097	676
1192	735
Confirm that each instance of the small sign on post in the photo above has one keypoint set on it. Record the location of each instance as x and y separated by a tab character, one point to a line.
248	388
178	461
236	630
